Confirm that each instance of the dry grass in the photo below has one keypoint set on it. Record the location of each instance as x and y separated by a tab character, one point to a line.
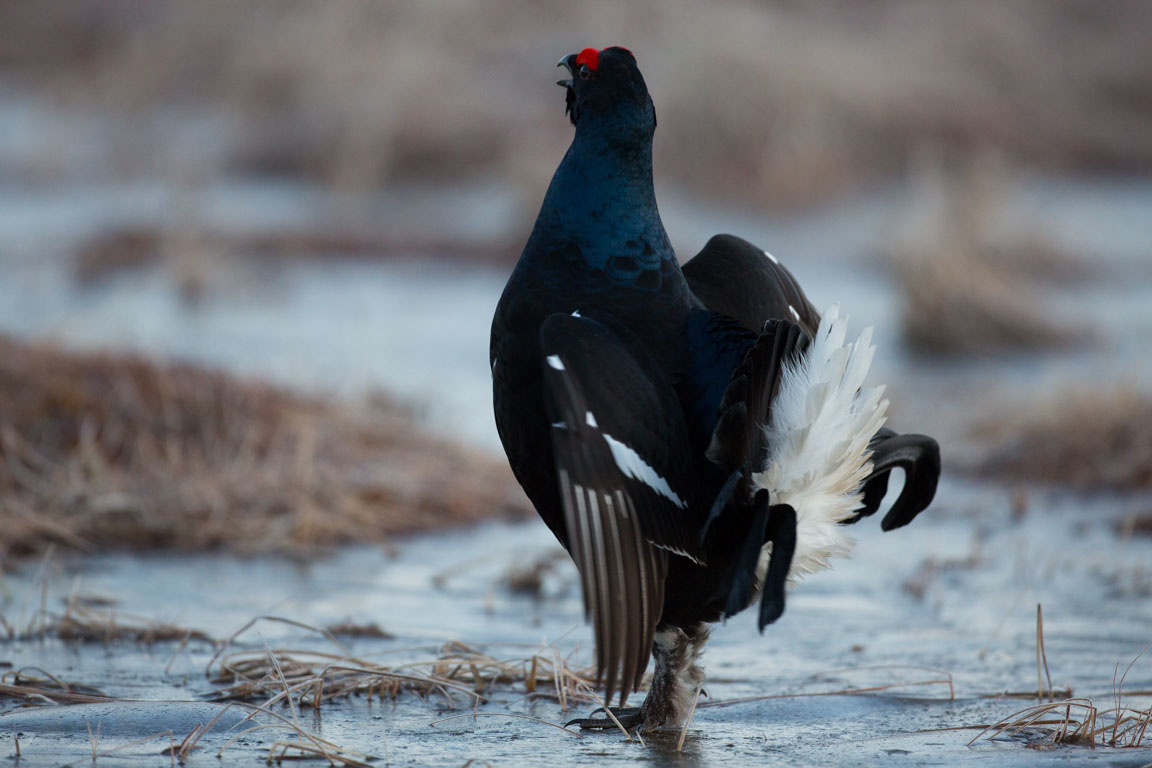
953	306
34	685
930	569
81	624
299	678
269	681
815	96
101	451
969	287
351	629
1075	721
1088	439
457	675
1138	523
116	250
528	579
944	679
301	744
87	619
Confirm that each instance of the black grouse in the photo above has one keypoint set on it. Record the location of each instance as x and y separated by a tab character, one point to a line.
695	437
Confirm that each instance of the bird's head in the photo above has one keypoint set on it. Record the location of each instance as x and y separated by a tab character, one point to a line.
607	89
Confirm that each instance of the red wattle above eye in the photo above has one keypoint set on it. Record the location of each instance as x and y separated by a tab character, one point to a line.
589	57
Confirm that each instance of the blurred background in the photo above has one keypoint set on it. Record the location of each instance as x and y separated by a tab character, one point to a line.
249	251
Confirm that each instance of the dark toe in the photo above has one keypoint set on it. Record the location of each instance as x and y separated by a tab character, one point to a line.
628	717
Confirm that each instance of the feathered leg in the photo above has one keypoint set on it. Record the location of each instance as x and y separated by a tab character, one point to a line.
676	680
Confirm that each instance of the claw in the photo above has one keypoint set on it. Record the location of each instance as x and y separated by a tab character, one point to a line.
628	717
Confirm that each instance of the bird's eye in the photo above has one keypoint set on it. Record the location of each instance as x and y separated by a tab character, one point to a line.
585	73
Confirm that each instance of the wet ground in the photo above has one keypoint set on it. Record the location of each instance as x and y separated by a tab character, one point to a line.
952	597
418	327
945	606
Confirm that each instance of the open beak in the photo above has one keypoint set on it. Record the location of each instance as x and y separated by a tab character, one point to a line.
568	61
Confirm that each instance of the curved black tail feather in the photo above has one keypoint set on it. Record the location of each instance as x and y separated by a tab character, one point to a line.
743	587
775	523
782	533
919	457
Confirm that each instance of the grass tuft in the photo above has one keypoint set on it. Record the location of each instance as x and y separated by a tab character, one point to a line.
969	289
101	451
1077	722
1087	439
528	579
458	674
1074	721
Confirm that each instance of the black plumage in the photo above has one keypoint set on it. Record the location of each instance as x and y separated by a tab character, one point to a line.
632	397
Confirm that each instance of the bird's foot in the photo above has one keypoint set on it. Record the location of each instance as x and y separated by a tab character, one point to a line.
676	682
625	717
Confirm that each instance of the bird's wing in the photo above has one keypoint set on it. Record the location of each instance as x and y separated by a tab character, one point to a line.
626	483
738	448
738	440
735	278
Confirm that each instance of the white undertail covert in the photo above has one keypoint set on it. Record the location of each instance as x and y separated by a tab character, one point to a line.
822	421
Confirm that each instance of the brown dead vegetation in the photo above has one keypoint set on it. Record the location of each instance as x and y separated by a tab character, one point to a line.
460	674
102	451
118	250
1138	523
816	96
80	623
353	629
528	578
34	685
1088	439
930	569
968	286
1074	721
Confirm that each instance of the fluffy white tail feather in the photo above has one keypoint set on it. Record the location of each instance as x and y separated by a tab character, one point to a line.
818	456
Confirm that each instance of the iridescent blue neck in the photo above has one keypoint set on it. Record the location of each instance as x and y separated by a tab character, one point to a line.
602	202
